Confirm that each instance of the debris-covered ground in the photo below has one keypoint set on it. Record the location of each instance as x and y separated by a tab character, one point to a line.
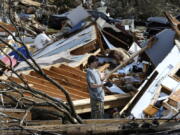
45	46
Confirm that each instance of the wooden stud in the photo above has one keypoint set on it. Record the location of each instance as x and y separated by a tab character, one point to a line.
62	82
46	83
73	70
67	73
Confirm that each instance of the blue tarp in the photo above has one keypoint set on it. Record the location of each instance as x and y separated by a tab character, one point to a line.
23	51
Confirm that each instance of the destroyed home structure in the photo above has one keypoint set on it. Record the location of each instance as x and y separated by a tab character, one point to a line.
158	96
45	90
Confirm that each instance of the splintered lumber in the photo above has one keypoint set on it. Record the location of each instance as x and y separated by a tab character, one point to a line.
64	81
174	98
17	96
149	45
175	24
99	40
103	68
107	128
16	113
51	90
122	121
9	27
111	35
73	70
43	122
85	48
67	73
30	3
71	79
55	126
32	80
110	101
2	45
67	78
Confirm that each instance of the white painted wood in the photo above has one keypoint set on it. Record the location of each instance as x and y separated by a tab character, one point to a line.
164	69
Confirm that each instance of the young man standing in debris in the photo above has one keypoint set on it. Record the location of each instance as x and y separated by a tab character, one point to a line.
96	91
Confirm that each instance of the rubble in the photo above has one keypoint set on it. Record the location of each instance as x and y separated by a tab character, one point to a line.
46	82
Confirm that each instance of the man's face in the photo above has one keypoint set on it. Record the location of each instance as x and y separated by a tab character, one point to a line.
95	64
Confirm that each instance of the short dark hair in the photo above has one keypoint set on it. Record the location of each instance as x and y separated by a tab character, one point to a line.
92	59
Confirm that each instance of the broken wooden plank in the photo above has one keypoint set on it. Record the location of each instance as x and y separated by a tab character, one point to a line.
9	27
48	90
110	101
67	73
62	81
30	3
47	83
107	128
174	98
51	91
73	70
16	113
85	48
67	78
175	24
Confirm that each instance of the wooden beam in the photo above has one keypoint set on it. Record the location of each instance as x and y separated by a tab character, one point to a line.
111	101
2	45
16	113
119	100
85	48
99	40
111	35
44	82
73	70
52	90
175	24
17	96
10	27
30	3
67	78
109	128
48	90
43	122
67	73
103	67
122	121
62	82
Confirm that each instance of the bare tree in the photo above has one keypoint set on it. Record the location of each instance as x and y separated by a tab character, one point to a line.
63	110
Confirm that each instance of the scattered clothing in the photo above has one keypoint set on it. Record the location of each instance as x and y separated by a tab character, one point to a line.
21	50
8	61
41	40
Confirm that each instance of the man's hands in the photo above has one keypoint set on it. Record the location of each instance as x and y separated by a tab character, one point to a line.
108	84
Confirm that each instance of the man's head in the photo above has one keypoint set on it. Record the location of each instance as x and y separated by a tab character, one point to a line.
93	61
